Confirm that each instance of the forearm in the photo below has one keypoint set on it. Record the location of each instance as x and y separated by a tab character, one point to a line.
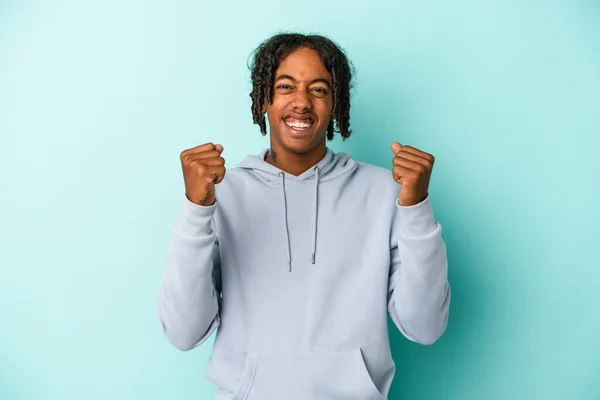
421	292
188	300
422	295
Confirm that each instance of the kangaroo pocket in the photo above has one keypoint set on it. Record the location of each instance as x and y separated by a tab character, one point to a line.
321	375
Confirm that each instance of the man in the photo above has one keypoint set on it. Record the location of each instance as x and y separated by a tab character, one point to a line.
298	254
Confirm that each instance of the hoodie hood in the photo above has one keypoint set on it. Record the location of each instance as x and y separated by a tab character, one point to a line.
331	166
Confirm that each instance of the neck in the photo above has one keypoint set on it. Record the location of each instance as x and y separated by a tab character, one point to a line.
292	163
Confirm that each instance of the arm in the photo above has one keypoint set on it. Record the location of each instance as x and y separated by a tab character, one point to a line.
419	292
189	300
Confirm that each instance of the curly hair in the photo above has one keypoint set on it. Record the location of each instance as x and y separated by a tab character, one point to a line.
272	51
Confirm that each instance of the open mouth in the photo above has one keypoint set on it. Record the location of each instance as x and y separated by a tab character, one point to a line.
299	124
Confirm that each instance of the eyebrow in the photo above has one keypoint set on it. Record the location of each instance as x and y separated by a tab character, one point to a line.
318	80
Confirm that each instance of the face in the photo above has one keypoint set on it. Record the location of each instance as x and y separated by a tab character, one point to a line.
302	103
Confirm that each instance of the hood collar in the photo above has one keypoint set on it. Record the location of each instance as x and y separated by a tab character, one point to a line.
331	166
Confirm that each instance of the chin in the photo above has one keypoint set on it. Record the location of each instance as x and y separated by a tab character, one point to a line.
301	146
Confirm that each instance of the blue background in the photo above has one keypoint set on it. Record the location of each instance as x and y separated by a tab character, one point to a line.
97	99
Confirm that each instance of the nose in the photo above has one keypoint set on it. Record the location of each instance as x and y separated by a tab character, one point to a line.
302	101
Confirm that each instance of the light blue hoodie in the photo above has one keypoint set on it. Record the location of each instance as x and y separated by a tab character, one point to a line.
297	275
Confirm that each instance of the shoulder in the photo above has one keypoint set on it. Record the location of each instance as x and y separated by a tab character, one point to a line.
380	180
237	173
375	173
235	178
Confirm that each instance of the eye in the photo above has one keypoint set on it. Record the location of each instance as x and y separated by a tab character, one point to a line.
320	92
284	87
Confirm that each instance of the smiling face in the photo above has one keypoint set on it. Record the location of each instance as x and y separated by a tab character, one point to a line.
302	104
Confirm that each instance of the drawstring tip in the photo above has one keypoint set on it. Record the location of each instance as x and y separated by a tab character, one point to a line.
289	266
313	258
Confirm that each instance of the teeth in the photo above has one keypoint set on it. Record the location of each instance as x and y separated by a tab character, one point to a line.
301	125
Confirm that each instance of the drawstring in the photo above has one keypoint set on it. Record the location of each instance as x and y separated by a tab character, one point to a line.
316	212
287	232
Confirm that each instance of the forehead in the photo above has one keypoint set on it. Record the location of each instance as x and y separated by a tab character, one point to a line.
303	64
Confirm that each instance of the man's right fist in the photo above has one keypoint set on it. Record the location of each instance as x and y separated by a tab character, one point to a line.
203	168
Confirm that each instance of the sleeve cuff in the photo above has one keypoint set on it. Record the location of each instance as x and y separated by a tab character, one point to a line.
416	220
194	219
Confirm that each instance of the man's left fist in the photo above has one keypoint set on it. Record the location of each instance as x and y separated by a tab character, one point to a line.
411	168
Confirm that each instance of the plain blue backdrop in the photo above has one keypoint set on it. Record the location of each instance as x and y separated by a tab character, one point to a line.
97	99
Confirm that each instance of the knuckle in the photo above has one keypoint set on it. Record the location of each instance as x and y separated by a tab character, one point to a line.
200	168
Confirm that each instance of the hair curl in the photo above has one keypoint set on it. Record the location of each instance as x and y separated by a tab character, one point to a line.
266	59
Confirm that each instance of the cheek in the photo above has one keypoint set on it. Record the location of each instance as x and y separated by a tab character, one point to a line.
275	110
324	110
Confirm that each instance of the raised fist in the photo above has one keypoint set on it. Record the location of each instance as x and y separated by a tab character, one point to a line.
203	168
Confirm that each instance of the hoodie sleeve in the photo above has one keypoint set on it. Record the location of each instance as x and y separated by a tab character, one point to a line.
189	298
419	292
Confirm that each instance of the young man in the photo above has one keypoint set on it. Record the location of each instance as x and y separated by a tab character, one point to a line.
298	254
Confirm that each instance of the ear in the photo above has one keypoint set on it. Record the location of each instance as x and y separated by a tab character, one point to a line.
264	108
